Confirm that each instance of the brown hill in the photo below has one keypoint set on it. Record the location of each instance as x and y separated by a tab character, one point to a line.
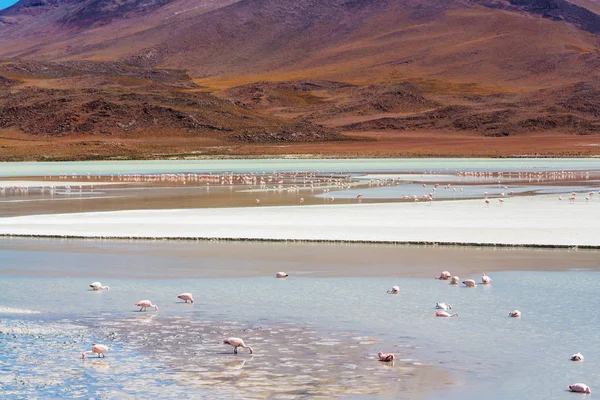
67	105
522	42
283	69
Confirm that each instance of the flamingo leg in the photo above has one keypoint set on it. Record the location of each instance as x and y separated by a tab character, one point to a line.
235	350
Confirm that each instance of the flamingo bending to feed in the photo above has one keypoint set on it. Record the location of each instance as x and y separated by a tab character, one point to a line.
98	286
455	280
577	357
444	314
385	357
281	275
515	314
99	349
186	297
394	290
469	283
237	342
580	388
144	304
485	279
445	275
443	306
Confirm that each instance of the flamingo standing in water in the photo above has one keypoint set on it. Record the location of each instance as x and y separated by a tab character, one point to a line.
144	304
485	279
443	306
580	388
445	275
99	349
385	357
444	314
515	314
577	357
394	290
98	286
281	275
186	297
455	280
237	342
469	283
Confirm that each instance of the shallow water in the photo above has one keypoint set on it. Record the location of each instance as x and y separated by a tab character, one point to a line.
91	192
312	334
440	165
316	333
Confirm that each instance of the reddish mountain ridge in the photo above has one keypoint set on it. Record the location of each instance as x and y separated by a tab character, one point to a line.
482	67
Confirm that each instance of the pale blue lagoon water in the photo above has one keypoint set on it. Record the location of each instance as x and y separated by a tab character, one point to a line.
439	165
311	334
315	333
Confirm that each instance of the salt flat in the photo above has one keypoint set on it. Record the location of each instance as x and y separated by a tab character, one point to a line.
536	220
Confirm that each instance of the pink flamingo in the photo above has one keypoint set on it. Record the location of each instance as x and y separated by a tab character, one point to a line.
515	314
144	304
577	357
444	314
394	290
186	297
98	286
385	357
469	283
485	279
455	280
281	275
237	342
445	275
580	388
99	349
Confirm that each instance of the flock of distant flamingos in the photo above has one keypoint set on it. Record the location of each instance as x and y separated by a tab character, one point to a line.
236	343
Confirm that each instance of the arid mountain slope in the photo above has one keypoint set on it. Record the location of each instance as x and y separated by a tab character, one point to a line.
524	42
105	101
223	73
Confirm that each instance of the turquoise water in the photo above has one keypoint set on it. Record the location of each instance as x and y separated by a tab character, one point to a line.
310	334
13	169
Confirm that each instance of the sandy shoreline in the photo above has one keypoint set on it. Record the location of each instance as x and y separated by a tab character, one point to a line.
542	221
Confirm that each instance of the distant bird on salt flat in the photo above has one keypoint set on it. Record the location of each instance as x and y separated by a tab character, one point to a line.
443	306
444	314
580	388
387	357
469	283
485	279
445	275
394	290
98	286
237	342
577	357
99	349
455	280
281	275
515	314
144	304
186	297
